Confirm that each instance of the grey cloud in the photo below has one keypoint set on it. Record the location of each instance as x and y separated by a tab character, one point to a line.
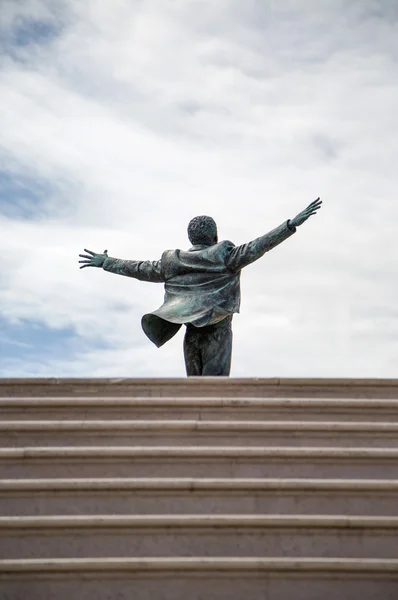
138	118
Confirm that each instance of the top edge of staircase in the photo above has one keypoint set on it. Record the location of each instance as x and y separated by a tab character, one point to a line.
198	386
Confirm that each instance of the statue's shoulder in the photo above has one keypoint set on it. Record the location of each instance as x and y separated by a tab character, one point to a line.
169	253
226	245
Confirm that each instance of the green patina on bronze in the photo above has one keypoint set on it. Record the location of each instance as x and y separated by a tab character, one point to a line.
202	288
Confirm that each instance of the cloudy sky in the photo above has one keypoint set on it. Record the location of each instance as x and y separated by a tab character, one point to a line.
121	120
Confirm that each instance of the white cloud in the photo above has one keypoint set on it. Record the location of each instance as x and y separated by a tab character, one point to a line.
141	115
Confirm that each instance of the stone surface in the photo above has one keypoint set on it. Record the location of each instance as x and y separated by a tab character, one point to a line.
198	496
198	461
274	579
93	506
204	409
164	432
205	535
202	387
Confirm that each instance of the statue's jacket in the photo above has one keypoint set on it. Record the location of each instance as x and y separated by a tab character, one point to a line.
202	284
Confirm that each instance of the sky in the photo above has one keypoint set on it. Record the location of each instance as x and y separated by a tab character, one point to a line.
122	120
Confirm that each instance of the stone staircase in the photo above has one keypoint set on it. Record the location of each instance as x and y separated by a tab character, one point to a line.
204	488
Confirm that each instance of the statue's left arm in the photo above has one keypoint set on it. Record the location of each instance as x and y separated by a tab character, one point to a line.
144	270
244	255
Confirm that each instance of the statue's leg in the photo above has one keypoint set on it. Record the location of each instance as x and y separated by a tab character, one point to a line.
192	351
217	349
207	350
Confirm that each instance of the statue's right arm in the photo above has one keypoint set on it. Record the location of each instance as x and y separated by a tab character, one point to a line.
241	256
144	270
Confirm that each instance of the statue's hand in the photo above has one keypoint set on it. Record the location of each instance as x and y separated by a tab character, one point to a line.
306	213
92	259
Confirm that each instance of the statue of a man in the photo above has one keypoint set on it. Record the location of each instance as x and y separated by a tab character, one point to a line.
202	289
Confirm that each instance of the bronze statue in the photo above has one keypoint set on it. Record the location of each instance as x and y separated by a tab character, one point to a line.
202	289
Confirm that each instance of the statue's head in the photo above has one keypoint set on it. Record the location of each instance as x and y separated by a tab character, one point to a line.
202	230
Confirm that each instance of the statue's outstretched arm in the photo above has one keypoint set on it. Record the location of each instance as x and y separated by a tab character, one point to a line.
244	255
144	270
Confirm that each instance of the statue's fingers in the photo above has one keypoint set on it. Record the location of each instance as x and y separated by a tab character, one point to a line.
311	211
88	265
89	252
317	202
85	256
86	262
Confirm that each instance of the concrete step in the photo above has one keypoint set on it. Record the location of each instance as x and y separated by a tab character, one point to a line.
274	409
97	536
198	496
200	577
215	433
198	461
201	487
215	387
